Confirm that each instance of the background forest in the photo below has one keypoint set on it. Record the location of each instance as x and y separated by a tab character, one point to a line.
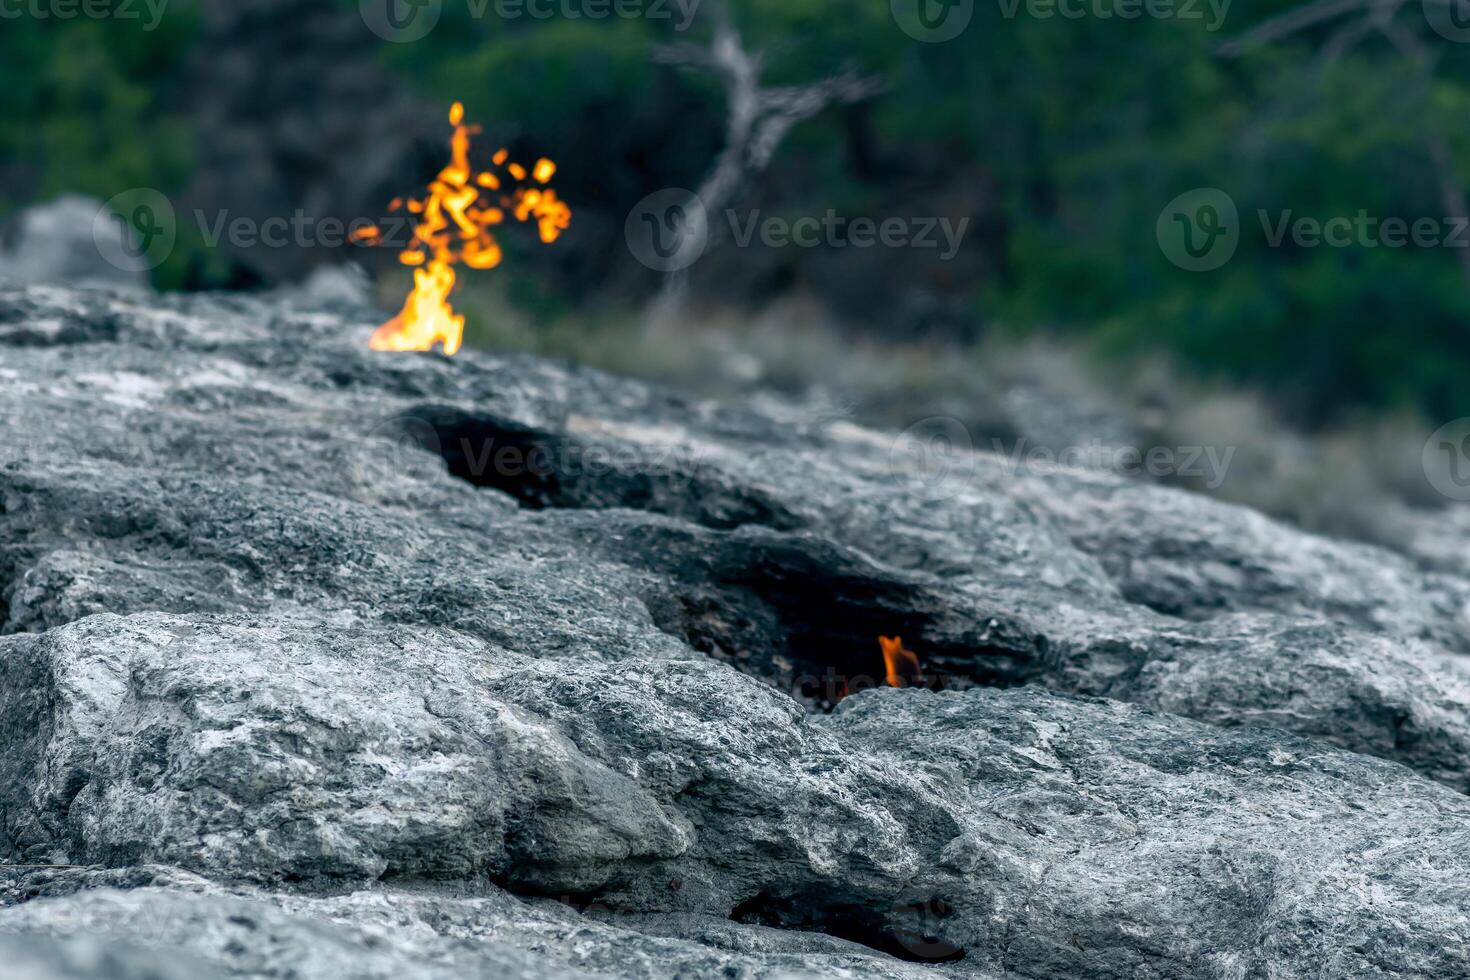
1060	134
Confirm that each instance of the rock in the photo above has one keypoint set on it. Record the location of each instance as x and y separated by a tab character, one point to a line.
1039	835
1437	538
342	288
231	936
44	958
416	933
357	638
273	776
1053	428
65	241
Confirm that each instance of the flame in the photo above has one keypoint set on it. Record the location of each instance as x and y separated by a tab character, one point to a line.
900	664
454	226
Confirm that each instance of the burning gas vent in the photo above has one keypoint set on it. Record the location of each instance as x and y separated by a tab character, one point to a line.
454	225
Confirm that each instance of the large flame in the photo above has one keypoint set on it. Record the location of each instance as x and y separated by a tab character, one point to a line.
901	665
454	226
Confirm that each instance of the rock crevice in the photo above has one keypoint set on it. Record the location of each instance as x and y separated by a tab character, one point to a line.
496	667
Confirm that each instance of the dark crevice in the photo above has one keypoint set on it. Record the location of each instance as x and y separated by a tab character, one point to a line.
545	469
1175	606
11	561
746	586
806	616
911	931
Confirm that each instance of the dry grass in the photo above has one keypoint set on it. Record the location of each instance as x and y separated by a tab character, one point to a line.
1362	480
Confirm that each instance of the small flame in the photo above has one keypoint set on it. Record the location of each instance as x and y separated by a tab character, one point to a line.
900	664
455	227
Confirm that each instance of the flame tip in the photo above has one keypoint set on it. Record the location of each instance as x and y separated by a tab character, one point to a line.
452	229
897	659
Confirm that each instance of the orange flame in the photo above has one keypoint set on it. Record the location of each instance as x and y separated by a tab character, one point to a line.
896	659
454	226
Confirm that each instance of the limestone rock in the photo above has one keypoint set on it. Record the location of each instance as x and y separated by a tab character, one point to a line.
475	666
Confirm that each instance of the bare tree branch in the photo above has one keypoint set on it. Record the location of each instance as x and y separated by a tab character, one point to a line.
1340	43
1378	18
758	120
1277	28
1451	193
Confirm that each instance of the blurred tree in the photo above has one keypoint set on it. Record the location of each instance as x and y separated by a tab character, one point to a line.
1061	138
90	105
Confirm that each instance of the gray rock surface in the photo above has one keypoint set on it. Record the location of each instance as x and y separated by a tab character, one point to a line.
419	933
65	241
43	957
494	666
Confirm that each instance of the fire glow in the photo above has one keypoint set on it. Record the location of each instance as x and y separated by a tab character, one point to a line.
900	664
453	226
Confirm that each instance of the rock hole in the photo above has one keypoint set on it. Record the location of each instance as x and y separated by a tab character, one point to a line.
805	617
748	586
910	931
545	469
11	560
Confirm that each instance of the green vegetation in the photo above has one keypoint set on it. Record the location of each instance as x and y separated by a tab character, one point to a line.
1068	135
87	106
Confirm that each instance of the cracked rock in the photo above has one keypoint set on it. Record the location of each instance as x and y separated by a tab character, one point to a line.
377	665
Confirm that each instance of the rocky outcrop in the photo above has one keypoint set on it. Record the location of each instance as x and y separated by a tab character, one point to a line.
494	666
73	239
